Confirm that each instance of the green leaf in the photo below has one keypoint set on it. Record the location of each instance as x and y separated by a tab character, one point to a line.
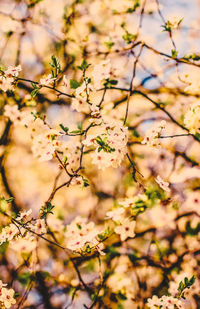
109	44
65	129
4	203
154	194
128	37
16	295
10	199
103	145
138	207
3	247
110	82
135	6
45	274
167	27
193	56
25	278
88	249
34	85
52	74
46	209
74	83
84	65
76	131
85	182
135	133
105	234
111	252
181	286
34	115
80	126
113	81
55	64
34	92
197	136
121	296
174	53
192	280
192	231
185	285
93	297
33	3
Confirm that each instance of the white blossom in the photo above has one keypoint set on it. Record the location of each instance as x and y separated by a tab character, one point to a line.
126	229
163	184
7	297
13	71
192	118
110	145
47	80
79	234
116	214
152	135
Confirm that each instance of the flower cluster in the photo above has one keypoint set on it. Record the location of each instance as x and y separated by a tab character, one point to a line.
174	22
6	296
19	232
122	216
109	143
44	139
8	233
47	80
80	102
8	77
165	302
17	116
118	223
192	118
122	281
45	144
82	236
189	291
101	72
126	229
153	134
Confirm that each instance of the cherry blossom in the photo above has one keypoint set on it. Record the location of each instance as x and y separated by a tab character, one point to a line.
163	184
126	229
153	134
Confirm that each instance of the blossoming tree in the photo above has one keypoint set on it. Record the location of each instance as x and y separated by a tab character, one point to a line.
99	154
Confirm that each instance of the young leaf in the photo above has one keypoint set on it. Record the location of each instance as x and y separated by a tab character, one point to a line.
46	209
128	37
74	83
84	65
85	182
110	83
65	129
34	92
174	53
109	44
